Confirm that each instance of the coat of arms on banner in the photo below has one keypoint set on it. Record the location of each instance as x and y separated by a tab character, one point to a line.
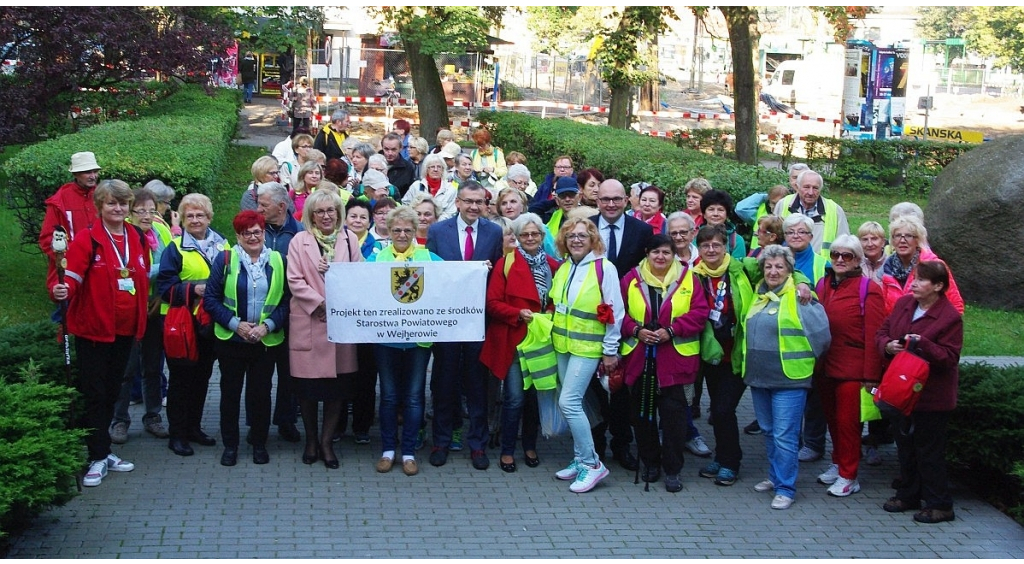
407	283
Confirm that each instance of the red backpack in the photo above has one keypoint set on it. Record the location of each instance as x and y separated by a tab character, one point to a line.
180	340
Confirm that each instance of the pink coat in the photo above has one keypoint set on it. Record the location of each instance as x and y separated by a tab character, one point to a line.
310	351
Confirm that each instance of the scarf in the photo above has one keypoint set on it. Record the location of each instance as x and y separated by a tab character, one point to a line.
207	245
766	296
404	256
706	271
151	239
255	270
649	278
541	272
326	243
485	153
894	267
433	185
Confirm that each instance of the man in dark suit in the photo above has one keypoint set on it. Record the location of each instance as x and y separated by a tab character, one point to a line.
624	238
457	366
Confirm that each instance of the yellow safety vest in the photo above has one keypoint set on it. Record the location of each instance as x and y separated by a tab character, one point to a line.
794	348
555	222
193	267
831	222
637	308
576	327
537	355
762	211
274	295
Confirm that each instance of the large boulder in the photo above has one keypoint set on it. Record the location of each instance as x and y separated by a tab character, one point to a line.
975	221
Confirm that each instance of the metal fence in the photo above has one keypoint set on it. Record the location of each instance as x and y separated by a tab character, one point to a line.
559	79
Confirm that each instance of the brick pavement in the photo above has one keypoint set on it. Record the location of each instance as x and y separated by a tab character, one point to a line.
174	507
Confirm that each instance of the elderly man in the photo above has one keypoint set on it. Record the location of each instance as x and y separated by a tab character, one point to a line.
70	207
400	170
330	138
546	190
829	219
273	204
457	366
625	239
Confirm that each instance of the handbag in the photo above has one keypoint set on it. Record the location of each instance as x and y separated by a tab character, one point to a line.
180	339
902	383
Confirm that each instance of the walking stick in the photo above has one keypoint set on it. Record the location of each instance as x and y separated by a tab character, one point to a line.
60	246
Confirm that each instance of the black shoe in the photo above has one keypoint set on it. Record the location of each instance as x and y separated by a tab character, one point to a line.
695	411
330	459
753	428
532	462
934	515
180	447
310	458
626	459
651	474
672	483
480	460
509	467
288	432
260	455
438	456
230	456
198	436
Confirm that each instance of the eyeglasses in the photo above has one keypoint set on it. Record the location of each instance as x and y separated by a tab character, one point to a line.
251	234
530	235
615	200
563	167
192	216
711	246
800	233
682	233
470	202
274	173
578	237
847	257
144	213
903	237
305	147
381	213
519	182
401	231
326	212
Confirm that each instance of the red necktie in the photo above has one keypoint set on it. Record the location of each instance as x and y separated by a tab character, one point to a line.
469	243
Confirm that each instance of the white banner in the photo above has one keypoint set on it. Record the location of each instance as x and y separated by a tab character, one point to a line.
406	302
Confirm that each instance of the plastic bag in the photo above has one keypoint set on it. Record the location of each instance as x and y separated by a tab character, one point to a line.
552	422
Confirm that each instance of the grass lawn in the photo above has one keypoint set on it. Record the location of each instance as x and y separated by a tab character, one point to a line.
23	270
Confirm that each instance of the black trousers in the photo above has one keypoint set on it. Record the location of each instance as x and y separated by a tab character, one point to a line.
922	456
285	404
615	412
187	386
725	388
101	369
669	407
360	389
251	365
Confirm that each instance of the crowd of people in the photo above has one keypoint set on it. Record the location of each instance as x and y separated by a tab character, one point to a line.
625	309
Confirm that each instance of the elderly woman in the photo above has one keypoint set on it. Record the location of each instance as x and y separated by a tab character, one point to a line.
309	175
518	177
435	184
164	195
317	364
107	288
512	202
381	209
336	171
360	158
357	220
872	240
462	171
488	160
517	290
729	294
247	297
587	322
930	325
303	106
427	212
694	190
665	313
782	337
683	231
402	366
264	169
184	270
716	208
589	180
855	308
418	150
300	145
909	240
797	230
651	202
375	187
768	231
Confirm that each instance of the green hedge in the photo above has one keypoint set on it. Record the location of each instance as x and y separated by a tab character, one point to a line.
625	155
33	348
39	455
986	437
181	140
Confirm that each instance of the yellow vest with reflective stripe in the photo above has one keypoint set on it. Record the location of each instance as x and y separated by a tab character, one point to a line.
576	329
762	211
794	348
831	222
637	306
274	295
555	222
193	267
537	355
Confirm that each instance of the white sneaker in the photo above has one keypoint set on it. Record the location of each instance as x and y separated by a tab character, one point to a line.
830	475
97	470
115	464
570	471
698	447
843	487
588	477
764	486
782	502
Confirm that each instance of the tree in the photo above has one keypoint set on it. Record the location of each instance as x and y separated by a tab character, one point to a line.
63	49
942	22
627	55
998	31
743	41
431	30
279	29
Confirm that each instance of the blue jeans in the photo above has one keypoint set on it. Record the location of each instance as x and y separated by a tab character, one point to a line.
574	374
779	413
512	411
403	375
147	359
249	87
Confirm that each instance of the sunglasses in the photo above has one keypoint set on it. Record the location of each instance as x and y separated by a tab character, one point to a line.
847	256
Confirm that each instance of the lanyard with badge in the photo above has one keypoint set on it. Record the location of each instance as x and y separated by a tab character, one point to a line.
124	281
719	306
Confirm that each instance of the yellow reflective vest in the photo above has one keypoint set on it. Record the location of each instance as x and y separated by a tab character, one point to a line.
274	295
637	307
537	355
576	328
794	348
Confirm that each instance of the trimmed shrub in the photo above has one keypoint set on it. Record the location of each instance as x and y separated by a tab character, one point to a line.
625	155
986	438
34	345
39	456
180	140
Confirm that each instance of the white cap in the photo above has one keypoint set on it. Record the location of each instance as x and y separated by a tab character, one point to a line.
83	162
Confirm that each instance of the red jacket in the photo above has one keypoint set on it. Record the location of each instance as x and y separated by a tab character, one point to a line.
893	290
72	208
852	355
942	336
92	276
506	297
673	368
